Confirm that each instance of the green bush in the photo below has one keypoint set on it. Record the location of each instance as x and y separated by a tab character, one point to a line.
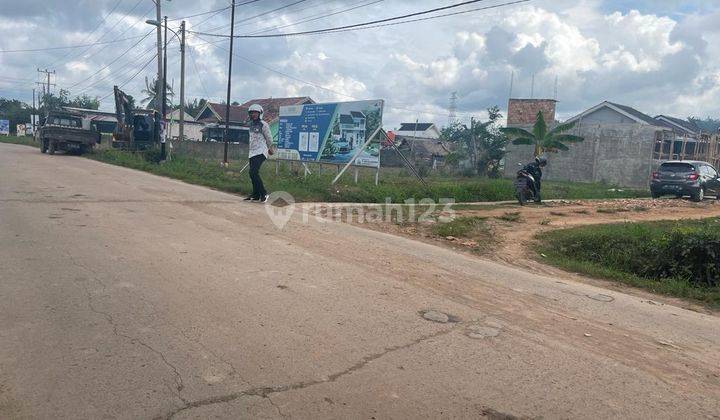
674	252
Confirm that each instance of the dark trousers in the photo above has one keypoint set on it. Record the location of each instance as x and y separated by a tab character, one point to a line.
257	184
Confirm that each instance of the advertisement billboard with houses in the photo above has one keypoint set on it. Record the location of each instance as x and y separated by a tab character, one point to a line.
331	132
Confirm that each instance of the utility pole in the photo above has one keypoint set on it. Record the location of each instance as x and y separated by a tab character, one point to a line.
452	115
34	111
164	96
512	83
532	87
181	126
160	80
47	73
227	104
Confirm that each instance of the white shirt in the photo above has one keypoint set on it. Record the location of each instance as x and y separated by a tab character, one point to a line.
260	139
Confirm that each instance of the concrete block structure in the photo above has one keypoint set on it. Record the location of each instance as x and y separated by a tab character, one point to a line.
524	111
618	148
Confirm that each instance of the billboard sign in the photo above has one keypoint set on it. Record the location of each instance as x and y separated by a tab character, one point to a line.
5	127
331	132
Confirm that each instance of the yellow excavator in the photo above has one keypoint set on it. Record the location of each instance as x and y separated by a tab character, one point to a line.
137	129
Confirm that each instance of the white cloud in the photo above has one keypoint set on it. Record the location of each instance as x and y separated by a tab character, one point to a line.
655	61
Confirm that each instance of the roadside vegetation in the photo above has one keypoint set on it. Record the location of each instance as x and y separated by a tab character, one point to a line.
397	185
676	258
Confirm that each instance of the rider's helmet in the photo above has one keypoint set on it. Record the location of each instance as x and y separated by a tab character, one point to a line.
541	160
255	108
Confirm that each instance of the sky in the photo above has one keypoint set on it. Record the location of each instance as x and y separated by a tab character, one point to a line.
653	55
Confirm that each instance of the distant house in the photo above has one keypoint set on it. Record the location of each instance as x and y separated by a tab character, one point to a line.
175	115
213	115
613	113
352	129
428	152
420	130
680	126
622	146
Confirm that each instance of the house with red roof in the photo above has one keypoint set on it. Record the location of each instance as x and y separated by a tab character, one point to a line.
213	115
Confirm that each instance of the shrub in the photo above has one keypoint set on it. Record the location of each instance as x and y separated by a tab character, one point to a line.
684	250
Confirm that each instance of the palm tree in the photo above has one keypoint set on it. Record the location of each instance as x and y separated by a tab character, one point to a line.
150	90
541	138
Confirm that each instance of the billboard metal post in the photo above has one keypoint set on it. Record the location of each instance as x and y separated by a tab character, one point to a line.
405	160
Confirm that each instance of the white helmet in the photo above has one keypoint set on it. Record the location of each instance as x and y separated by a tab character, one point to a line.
256	108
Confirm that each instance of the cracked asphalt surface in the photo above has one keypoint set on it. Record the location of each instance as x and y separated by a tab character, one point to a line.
125	295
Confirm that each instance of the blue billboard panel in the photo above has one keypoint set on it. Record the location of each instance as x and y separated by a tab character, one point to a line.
332	132
5	127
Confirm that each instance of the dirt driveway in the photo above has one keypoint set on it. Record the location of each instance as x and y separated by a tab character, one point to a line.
511	228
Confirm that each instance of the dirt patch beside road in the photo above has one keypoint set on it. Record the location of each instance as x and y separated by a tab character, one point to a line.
508	230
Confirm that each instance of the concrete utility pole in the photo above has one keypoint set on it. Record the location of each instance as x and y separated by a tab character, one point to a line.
48	73
160	81
181	125
227	104
163	106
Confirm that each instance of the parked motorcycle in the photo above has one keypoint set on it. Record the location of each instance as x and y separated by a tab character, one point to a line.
524	190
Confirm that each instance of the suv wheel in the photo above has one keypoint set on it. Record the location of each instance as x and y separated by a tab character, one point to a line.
43	146
700	195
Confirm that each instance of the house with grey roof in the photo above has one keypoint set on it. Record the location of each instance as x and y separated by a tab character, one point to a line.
622	147
680	126
419	130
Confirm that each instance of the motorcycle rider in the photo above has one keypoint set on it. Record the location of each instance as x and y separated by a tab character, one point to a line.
534	168
260	149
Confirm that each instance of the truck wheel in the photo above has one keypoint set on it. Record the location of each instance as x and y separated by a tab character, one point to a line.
43	146
51	147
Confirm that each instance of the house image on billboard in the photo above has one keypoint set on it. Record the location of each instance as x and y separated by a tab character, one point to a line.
352	131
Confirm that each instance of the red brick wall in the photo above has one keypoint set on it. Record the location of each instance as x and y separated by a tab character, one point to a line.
524	111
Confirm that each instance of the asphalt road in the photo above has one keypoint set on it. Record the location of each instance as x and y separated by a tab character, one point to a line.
125	295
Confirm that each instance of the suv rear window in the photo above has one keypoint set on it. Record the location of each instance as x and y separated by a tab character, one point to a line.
676	167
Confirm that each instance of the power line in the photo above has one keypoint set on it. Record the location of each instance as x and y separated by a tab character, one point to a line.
104	19
69	47
65	59
201	14
131	78
316	85
122	70
258	15
197	73
114	60
121	33
317	17
118	72
213	11
366	24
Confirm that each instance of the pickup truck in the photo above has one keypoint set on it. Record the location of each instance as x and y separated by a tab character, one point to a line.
64	131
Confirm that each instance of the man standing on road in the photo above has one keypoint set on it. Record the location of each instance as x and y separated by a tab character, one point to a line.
260	149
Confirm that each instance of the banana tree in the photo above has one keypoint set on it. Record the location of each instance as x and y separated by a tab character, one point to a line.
544	141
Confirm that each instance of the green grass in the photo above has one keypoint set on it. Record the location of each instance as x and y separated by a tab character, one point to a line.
395	184
668	257
462	227
24	140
